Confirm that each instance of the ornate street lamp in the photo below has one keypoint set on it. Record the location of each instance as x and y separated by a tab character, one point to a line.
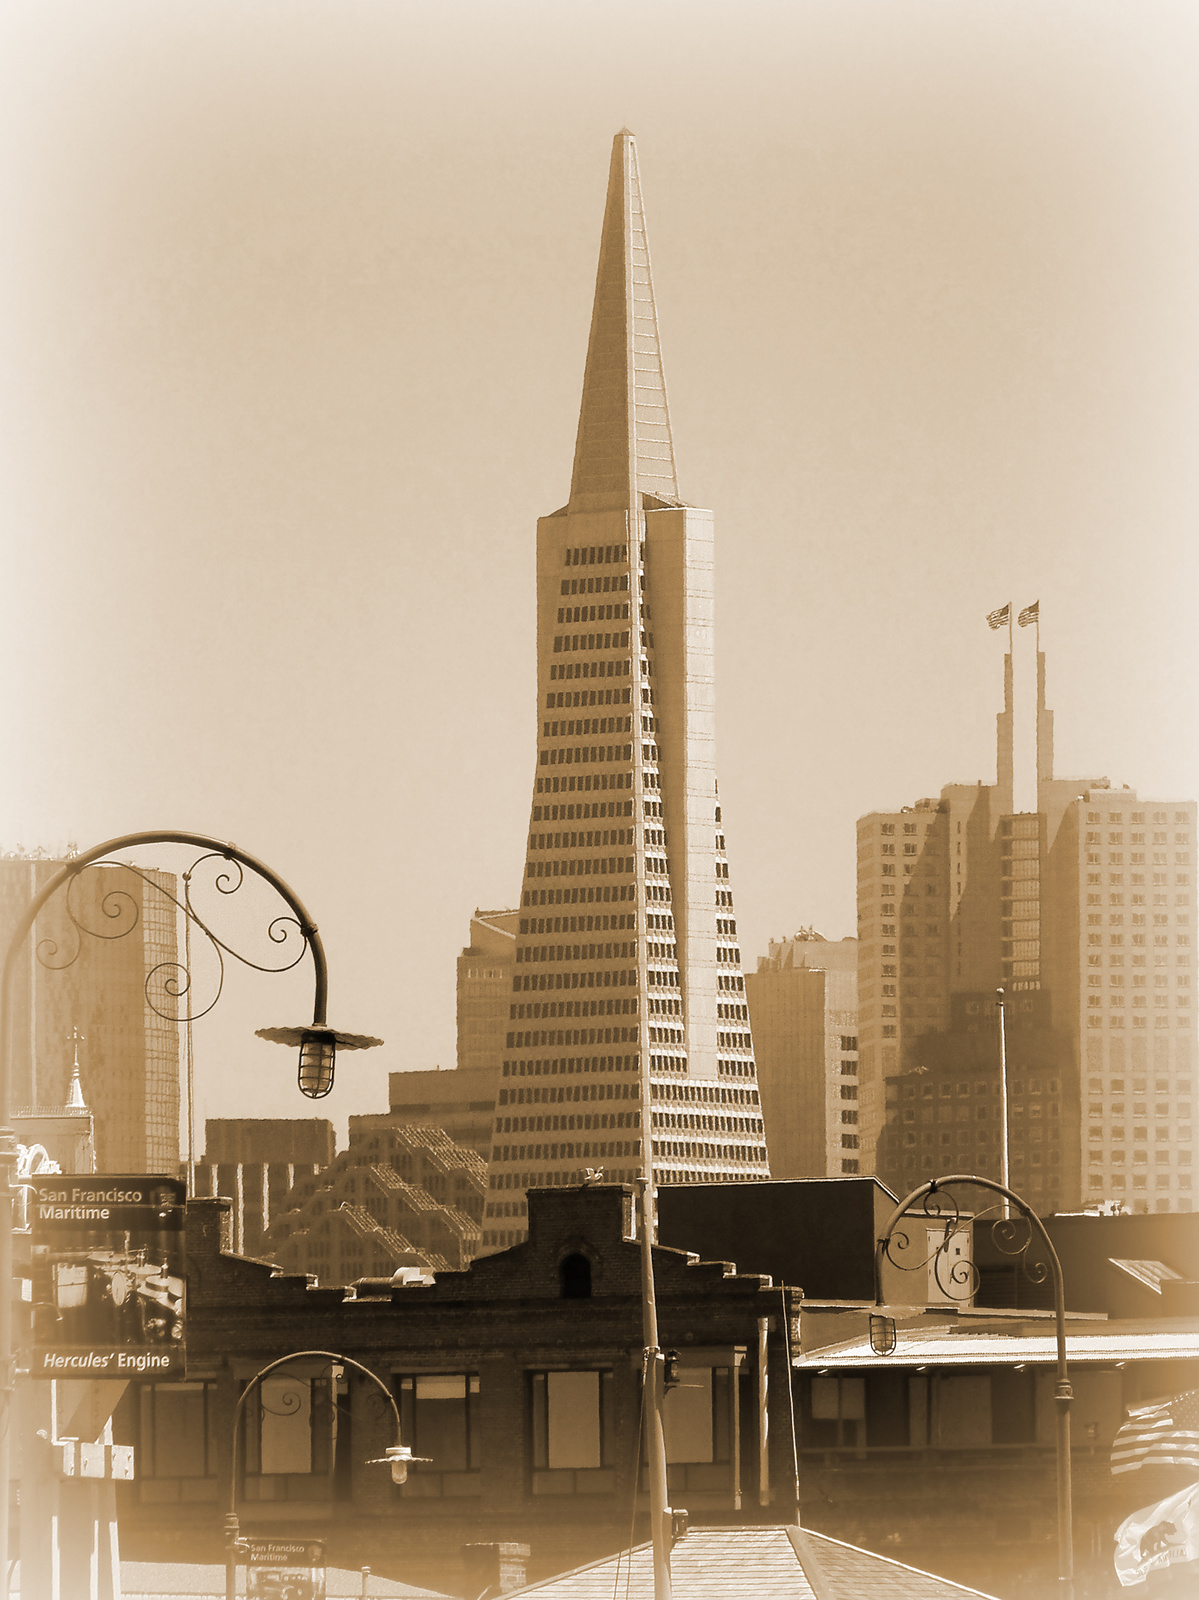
1014	1237
397	1456
171	981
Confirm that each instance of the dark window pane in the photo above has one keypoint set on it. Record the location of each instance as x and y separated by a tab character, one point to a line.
1013	1407
887	1409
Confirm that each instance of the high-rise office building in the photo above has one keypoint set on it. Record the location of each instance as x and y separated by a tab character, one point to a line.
485	989
95	1006
1084	912
627	990
803	1006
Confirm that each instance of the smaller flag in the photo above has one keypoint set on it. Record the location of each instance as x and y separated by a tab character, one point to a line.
1030	613
1162	1535
1000	618
1162	1435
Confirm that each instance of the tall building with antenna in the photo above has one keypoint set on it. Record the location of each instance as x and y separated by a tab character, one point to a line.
1084	912
628	998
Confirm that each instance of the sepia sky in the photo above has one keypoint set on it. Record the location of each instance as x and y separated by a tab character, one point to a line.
294	301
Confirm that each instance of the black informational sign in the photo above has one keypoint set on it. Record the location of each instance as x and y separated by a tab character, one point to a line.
108	1276
285	1569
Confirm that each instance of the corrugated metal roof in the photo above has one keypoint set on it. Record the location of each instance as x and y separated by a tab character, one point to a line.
1002	1349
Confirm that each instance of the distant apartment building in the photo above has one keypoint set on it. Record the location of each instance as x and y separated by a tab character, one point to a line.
255	1162
484	990
106	941
803	1007
1084	913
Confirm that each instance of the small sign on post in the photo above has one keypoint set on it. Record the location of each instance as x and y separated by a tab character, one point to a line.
108	1276
285	1569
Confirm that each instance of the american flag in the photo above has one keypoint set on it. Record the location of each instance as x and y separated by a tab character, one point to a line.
1030	613
1000	618
1162	1435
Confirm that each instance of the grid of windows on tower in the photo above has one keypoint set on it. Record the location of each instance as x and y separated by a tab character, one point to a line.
595	555
563	699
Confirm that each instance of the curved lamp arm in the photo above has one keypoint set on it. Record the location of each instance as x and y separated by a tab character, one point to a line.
317	1042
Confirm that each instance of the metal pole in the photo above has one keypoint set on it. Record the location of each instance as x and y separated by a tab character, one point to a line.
659	1509
1004	1167
8	1141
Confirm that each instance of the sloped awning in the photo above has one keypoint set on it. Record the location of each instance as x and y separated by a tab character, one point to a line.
947	1349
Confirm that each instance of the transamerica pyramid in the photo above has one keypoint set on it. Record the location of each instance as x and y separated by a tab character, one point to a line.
628	995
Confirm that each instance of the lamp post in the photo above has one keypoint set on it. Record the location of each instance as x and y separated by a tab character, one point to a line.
318	1042
397	1456
1004	1166
1009	1237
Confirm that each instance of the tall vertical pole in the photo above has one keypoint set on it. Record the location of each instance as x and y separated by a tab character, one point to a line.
659	1509
1004	1162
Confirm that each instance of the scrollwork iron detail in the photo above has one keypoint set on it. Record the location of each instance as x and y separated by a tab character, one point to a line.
169	985
954	1270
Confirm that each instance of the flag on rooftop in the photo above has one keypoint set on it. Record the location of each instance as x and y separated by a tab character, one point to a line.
1030	613
1164	1534
998	619
1162	1435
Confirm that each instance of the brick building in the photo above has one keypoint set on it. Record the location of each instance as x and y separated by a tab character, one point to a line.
520	1378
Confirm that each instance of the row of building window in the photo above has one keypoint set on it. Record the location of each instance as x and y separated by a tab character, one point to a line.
580	726
582	867
603	979
584	755
565	643
532	1010
1137	818
563	699
701	1094
1160	881
735	1069
1136	858
609	951
1116	1020
596	923
593	895
583	1121
1161	1158
583	782
595	555
568	1065
560	670
590	839
536	1038
600	613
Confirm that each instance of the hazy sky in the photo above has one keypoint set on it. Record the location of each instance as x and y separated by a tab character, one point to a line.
295	301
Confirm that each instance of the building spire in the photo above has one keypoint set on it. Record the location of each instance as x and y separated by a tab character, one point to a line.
623	450
75	1100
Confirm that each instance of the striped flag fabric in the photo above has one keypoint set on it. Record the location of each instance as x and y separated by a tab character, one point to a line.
1000	618
1030	613
1165	1434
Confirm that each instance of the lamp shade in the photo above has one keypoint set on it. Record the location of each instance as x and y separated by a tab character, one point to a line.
318	1052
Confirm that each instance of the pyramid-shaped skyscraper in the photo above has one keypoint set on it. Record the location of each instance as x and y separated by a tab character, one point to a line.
628	993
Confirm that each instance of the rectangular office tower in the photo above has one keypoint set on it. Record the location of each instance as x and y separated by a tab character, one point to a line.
627	995
1084	913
